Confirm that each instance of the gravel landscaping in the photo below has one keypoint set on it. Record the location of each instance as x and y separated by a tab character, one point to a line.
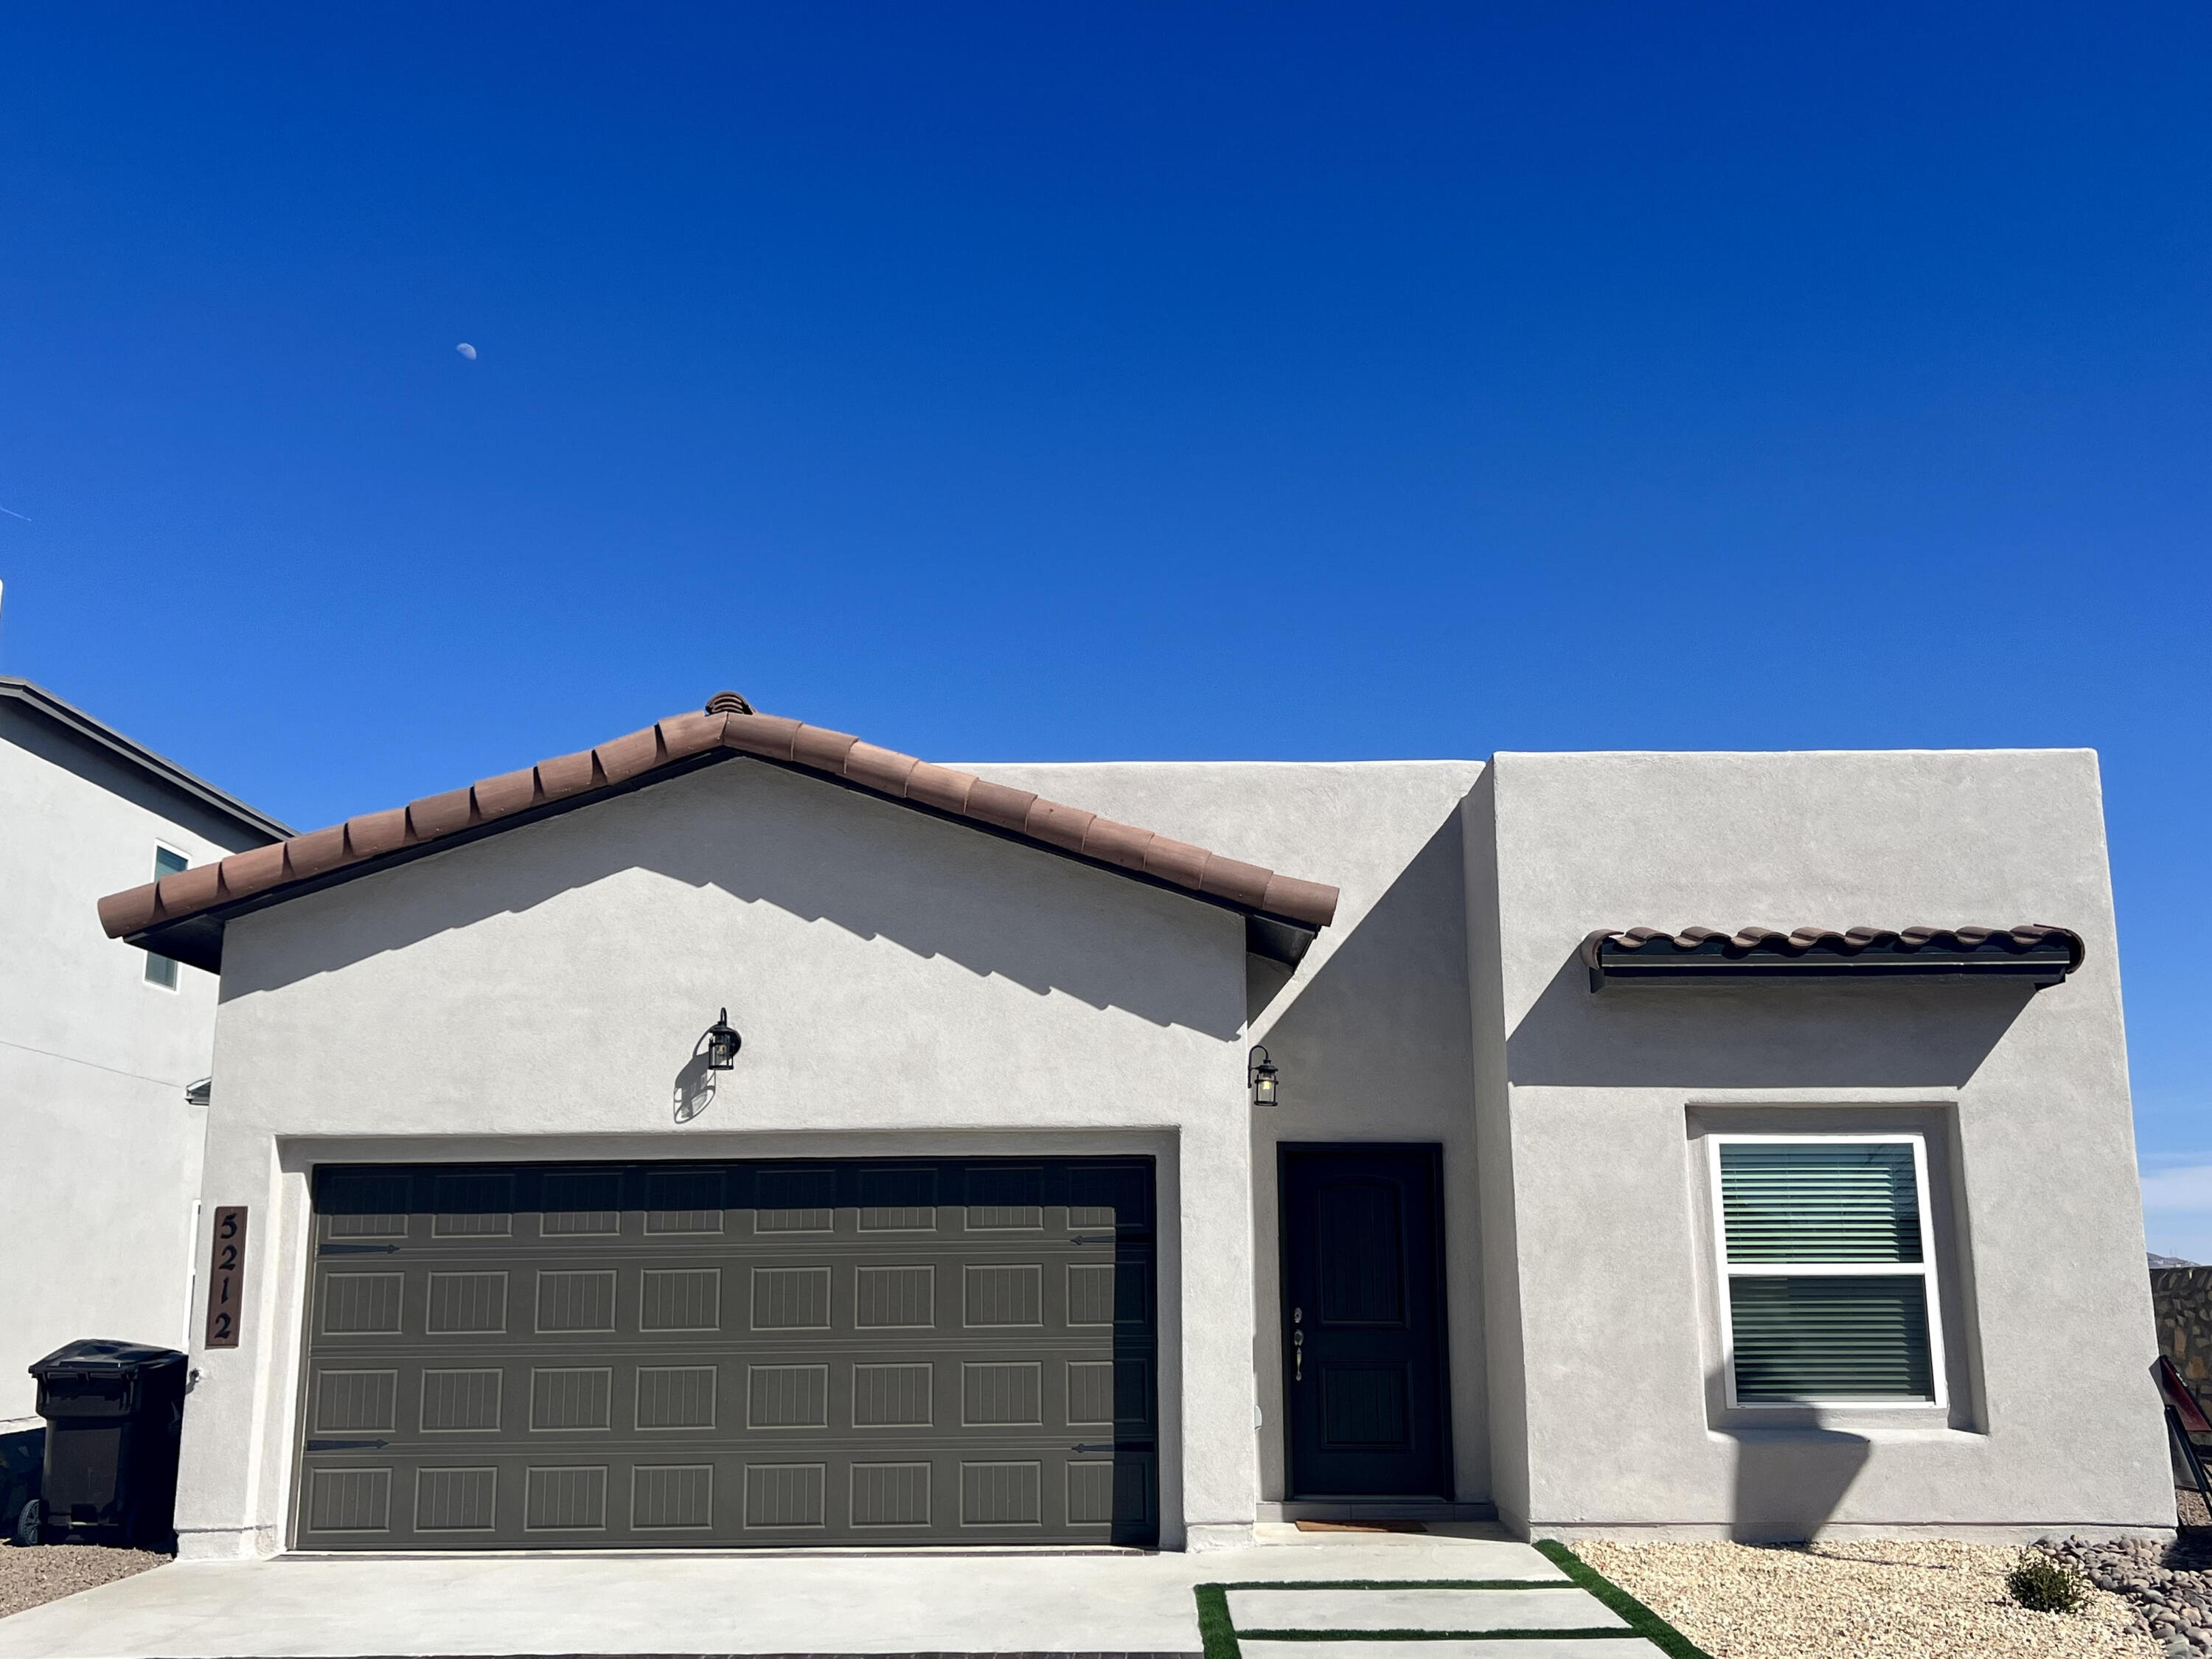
1880	1599
49	1571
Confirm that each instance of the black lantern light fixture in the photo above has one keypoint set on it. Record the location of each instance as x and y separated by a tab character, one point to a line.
721	1042
1262	1076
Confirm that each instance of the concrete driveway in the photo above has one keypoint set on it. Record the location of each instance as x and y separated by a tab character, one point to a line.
296	1607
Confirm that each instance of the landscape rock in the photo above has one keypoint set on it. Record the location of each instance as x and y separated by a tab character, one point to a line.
46	1572
1896	1598
2169	1584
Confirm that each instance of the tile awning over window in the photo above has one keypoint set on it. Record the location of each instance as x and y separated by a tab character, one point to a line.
2036	953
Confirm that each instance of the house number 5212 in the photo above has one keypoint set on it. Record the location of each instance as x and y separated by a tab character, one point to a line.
226	1277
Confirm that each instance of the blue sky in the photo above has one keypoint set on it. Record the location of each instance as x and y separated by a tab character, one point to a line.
1070	381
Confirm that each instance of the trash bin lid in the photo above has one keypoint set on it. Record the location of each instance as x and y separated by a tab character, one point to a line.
97	1356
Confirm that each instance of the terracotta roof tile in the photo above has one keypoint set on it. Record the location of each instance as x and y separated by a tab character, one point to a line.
1117	843
1175	861
818	747
129	911
993	803
509	792
253	871
730	724
566	775
879	768
1233	879
1286	896
374	833
768	735
627	758
683	736
1060	826
939	786
196	888
316	852
438	815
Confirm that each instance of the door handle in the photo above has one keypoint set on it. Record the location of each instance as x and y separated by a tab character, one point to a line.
1298	1356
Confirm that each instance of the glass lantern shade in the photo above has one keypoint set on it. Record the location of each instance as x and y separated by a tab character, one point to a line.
722	1044
1263	1078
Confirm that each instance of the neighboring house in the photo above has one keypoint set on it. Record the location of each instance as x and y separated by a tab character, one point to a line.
98	1045
987	1233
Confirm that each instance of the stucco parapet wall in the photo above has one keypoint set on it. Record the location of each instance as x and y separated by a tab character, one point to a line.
182	915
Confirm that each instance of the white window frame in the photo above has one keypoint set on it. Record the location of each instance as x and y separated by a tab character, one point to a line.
1924	1269
176	983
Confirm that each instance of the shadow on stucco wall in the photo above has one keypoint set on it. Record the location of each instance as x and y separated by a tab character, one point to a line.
1790	1483
1386	1016
1378	1044
1768	1036
695	1088
817	852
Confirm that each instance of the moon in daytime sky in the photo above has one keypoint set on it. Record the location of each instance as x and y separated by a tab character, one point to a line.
466	350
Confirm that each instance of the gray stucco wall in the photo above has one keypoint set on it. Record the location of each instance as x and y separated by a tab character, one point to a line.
1372	1032
901	984
1604	1312
99	1150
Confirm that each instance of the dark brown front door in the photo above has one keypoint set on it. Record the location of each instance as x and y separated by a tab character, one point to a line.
1362	1322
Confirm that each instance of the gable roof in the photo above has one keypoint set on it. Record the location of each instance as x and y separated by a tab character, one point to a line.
183	915
256	825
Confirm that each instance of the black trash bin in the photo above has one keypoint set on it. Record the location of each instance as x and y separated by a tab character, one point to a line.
114	1413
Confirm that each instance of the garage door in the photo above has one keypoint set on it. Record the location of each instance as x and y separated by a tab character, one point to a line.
665	1356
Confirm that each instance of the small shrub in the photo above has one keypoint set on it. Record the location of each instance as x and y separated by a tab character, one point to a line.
2043	1585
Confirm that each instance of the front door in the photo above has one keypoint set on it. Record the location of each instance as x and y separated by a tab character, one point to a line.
1362	1322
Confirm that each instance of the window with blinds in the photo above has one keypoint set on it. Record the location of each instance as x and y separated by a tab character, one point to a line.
1828	1282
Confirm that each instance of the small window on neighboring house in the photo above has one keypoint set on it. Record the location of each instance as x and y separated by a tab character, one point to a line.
162	970
1827	1270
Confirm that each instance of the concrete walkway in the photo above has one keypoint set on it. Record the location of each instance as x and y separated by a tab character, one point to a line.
1571	1647
737	1603
1553	1621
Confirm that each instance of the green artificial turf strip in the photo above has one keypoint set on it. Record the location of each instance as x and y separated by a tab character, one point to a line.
1546	1635
1402	1583
1641	1620
1214	1628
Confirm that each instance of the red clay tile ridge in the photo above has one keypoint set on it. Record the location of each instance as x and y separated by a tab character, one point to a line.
727	727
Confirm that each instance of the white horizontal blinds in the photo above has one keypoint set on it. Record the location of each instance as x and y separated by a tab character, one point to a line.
1828	1284
1820	1202
1831	1339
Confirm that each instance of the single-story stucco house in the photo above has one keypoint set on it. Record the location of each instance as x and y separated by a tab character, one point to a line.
739	1133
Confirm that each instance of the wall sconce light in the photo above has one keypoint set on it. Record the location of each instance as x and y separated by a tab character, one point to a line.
722	1043
1262	1077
